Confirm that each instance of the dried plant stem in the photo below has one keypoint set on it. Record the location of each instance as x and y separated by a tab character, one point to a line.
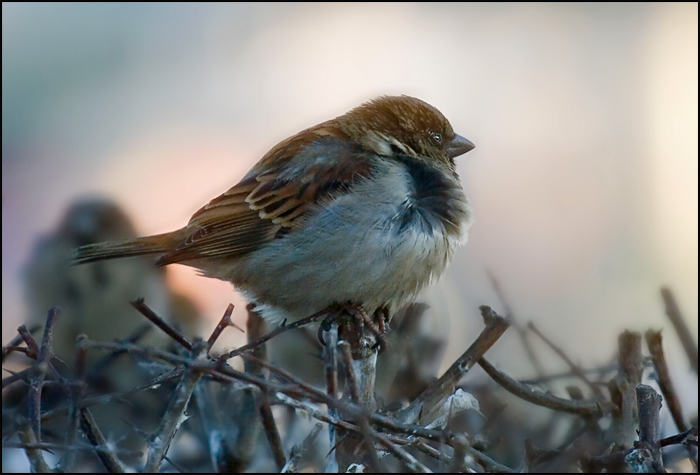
299	450
77	389
330	361
655	344
674	314
330	368
94	435
247	413
690	437
271	431
32	347
447	383
106	398
365	370
160	441
584	408
37	380
350	376
623	430
408	460
13	345
24	375
646	457
139	305
221	326
103	363
28	439
281	329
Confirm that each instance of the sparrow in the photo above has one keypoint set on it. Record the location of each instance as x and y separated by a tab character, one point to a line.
365	210
94	299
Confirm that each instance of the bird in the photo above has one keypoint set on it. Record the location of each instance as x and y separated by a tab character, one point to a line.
363	210
93	299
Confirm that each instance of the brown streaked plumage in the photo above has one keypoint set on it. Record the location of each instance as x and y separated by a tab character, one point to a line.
391	142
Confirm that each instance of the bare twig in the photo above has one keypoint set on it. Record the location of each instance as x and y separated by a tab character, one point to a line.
227	374
139	305
350	377
281	329
623	430
223	323
17	349
42	362
646	455
446	384
314	412
689	437
300	449
407	459
584	408
99	367
270	427
94	435
51	446
363	335
106	398
684	334
160	441
345	407
441	456
366	440
175	465
37	463
32	347
655	344
13	345
365	374
330	362
446	453
77	388
24	375
211	368
330	368
248	400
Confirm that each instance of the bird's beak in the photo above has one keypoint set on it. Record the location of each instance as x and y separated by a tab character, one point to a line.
457	146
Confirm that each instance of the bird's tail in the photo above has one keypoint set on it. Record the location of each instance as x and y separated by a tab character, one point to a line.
157	244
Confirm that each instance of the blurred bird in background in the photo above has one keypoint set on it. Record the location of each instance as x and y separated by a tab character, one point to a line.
94	300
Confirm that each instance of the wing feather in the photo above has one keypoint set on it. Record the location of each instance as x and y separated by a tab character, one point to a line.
276	194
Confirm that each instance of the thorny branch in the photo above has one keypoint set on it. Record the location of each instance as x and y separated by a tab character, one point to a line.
447	383
384	438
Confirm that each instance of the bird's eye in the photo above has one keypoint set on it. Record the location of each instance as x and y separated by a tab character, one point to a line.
437	138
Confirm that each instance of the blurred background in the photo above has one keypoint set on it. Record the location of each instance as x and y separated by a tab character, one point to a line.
585	119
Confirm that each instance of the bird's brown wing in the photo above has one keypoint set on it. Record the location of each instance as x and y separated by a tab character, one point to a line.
274	196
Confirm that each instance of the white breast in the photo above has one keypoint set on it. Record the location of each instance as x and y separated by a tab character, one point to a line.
351	250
